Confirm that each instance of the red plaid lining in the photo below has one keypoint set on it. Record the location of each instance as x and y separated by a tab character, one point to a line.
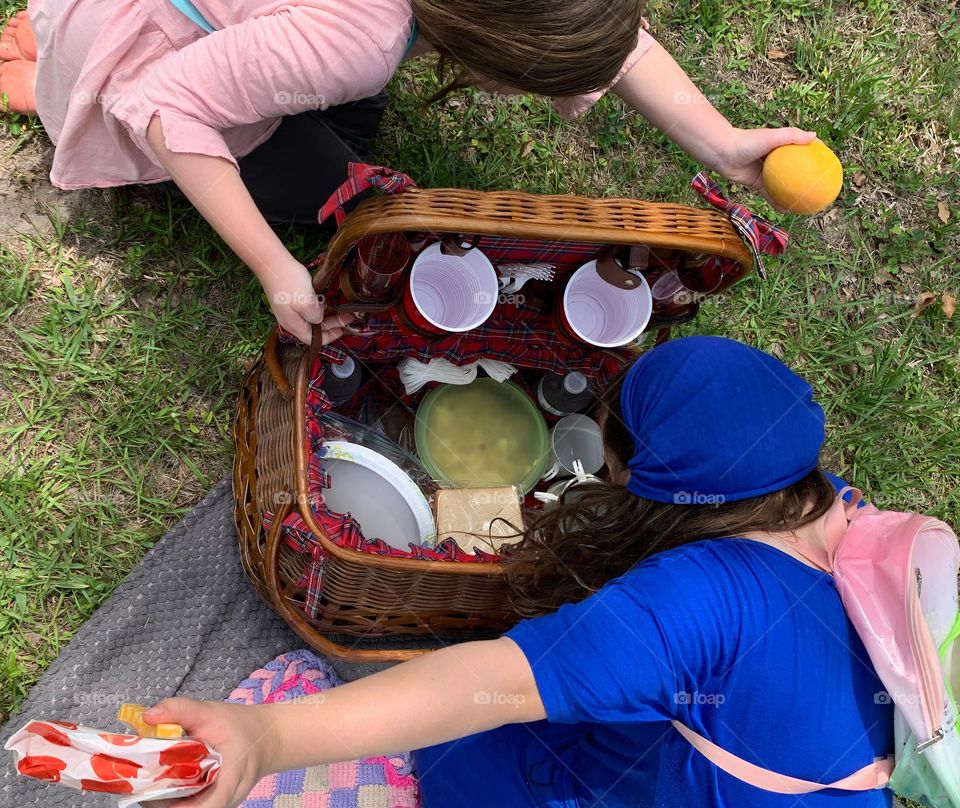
519	335
361	177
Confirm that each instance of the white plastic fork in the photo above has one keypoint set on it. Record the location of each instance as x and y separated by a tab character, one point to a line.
514	276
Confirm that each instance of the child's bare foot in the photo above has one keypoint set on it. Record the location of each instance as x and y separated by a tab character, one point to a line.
17	79
17	40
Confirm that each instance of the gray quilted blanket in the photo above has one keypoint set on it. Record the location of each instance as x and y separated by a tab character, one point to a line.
185	622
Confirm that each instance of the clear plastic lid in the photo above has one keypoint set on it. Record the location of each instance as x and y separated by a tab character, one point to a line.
482	433
344	370
575	382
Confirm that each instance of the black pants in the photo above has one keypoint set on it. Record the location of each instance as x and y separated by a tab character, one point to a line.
305	160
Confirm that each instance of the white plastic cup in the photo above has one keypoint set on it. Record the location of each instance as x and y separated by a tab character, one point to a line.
451	292
601	314
573	438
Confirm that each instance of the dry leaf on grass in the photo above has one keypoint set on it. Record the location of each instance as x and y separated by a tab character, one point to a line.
859	180
830	216
924	299
775	54
949	303
943	211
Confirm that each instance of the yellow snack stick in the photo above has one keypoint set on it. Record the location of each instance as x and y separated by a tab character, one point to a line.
132	716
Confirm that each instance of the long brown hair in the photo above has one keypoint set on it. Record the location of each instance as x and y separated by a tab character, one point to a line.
559	48
573	549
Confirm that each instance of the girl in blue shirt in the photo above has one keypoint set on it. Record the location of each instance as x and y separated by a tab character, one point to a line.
671	593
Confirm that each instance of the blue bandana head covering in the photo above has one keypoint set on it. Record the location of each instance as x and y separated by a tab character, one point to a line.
714	420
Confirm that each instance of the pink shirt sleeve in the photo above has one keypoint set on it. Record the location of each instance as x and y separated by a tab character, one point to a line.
299	58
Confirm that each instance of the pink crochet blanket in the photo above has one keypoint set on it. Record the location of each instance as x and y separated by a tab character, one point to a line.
381	782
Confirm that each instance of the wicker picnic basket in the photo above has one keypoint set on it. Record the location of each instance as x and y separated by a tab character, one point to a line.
403	599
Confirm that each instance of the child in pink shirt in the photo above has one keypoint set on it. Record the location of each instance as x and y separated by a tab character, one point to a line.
144	91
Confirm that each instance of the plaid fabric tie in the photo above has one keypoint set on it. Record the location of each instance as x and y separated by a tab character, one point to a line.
761	236
360	177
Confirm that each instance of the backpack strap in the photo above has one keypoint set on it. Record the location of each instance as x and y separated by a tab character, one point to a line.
851	505
821	557
871	776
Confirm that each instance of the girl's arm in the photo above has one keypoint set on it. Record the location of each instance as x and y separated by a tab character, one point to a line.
299	58
444	695
214	187
658	89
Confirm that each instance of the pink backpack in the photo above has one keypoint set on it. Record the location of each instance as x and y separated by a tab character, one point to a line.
897	577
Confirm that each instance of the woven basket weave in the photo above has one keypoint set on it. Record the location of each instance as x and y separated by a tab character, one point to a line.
368	596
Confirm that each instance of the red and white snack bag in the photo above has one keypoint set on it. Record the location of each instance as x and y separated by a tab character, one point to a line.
134	768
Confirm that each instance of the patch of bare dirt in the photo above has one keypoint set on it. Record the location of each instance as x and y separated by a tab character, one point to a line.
29	204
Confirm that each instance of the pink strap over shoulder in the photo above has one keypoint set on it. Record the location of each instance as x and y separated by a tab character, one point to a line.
874	775
823	557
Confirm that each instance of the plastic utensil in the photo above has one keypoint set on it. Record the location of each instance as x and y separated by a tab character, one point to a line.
514	276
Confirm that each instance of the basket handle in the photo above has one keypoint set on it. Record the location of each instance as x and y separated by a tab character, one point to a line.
298	622
316	343
274	366
271	357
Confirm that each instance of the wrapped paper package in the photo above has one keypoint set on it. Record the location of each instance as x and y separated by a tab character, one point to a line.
484	518
134	768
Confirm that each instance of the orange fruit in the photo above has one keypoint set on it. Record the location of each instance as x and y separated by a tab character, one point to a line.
803	178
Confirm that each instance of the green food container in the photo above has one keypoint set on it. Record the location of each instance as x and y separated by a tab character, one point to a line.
481	434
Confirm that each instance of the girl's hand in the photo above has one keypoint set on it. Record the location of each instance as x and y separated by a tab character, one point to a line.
741	159
241	734
292	300
297	307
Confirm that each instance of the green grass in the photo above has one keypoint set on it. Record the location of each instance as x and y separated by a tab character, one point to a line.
125	324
